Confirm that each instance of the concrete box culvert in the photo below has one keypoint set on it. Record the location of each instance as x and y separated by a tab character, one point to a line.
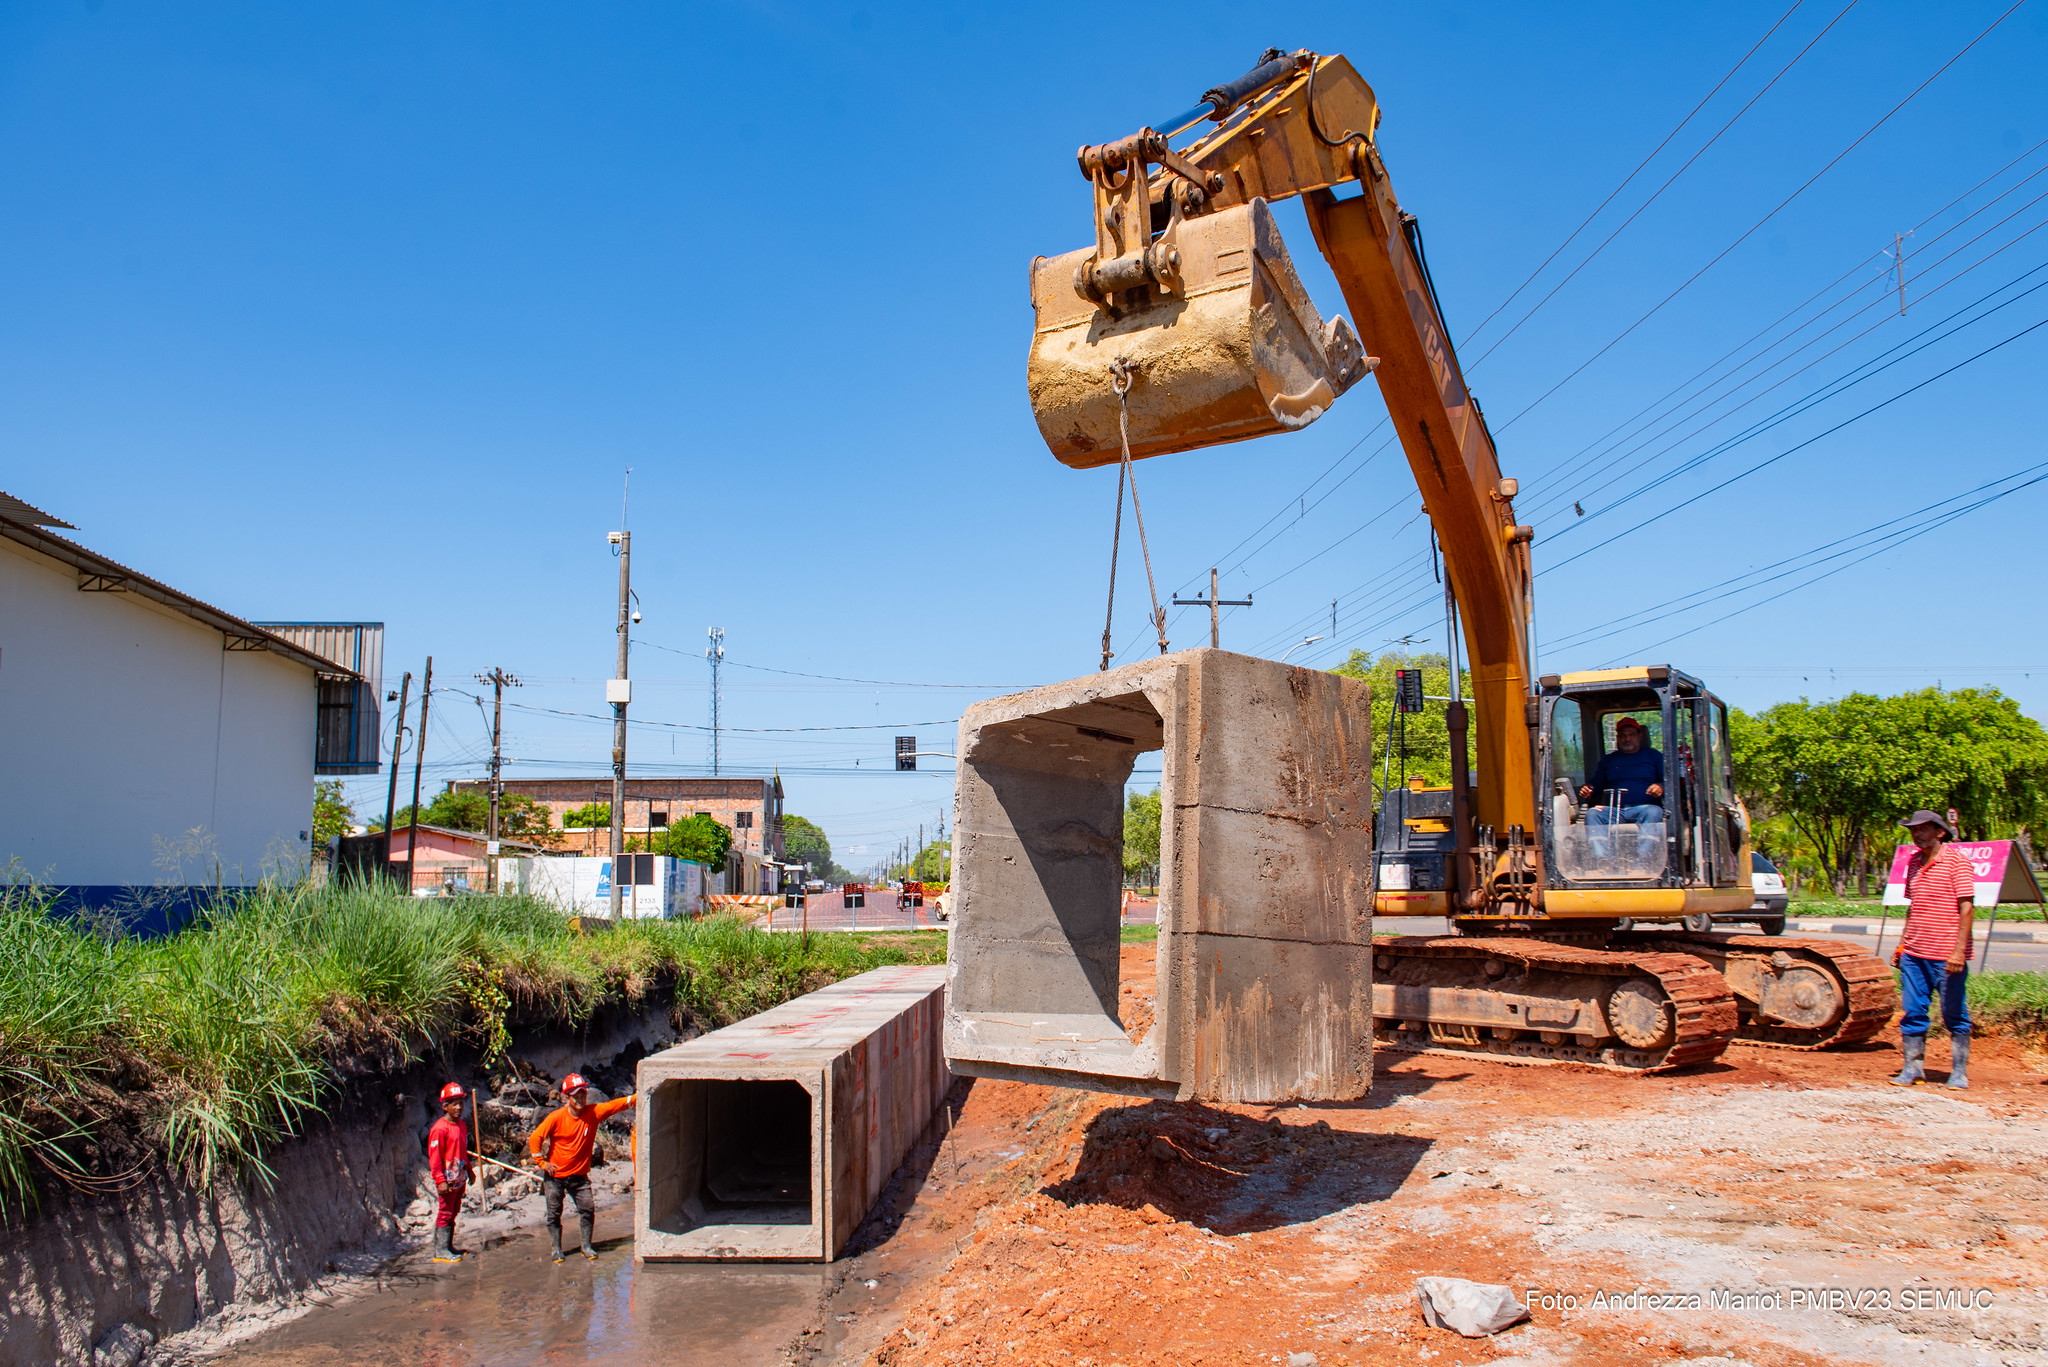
1265	907
771	1138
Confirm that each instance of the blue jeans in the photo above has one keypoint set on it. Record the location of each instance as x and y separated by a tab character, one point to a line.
1596	825
1919	980
1643	815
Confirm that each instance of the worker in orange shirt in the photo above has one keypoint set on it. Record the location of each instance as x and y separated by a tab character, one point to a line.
448	1165
561	1147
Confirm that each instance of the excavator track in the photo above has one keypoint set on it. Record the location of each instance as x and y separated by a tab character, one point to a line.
1791	993
1517	1000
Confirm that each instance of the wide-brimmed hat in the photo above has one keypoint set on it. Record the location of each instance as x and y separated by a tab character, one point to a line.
1923	817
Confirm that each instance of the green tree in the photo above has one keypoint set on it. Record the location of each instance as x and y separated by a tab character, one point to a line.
519	816
702	837
1841	773
332	816
590	816
1421	747
522	818
1141	832
804	842
932	865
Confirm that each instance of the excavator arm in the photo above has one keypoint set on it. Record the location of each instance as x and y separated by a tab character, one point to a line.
1305	125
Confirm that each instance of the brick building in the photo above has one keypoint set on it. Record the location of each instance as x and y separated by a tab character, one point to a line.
751	808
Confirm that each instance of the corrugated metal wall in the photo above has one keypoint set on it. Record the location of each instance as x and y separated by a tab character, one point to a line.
350	712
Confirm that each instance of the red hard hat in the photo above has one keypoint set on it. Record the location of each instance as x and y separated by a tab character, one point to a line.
453	1092
573	1084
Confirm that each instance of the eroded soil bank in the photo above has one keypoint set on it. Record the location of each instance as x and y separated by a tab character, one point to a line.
103	1273
1835	1220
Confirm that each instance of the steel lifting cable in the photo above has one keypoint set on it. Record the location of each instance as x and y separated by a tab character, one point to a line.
1121	372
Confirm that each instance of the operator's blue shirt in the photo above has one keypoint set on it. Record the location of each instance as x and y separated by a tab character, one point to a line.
1631	775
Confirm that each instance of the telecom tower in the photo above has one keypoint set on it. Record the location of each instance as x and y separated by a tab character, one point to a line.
715	653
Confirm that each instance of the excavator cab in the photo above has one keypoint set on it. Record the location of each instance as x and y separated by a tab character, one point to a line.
1620	853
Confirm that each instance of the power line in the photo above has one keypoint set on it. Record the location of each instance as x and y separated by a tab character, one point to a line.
1800	447
1729	587
1754	227
1567	468
1891	544
1659	192
1883	300
1831	389
1630	177
755	730
833	678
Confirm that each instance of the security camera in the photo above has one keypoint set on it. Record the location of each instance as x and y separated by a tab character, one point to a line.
636	616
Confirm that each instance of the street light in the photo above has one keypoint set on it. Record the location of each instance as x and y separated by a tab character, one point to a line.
1298	645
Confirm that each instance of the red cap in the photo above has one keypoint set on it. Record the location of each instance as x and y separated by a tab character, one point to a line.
573	1084
1627	721
453	1092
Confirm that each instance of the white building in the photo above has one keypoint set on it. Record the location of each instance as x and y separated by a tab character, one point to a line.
150	745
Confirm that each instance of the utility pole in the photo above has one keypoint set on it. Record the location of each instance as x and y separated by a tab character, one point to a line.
419	754
397	746
498	679
618	692
1899	252
715	652
1212	602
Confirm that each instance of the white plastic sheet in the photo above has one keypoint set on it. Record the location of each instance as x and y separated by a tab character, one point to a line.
1473	1309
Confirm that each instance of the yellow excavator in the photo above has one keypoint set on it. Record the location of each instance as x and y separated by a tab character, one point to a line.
1584	926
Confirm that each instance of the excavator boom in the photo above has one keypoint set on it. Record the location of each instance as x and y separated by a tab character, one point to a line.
1185	326
1306	129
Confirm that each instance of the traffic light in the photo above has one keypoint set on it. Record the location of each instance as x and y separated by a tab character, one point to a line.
906	752
1408	690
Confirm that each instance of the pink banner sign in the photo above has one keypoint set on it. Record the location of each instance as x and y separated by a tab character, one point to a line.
2001	870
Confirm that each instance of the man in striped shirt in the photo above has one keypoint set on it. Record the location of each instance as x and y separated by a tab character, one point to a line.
1934	953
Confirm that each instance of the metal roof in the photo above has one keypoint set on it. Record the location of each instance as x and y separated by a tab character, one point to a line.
27	513
97	572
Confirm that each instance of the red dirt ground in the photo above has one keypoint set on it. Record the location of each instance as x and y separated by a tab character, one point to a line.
1089	1230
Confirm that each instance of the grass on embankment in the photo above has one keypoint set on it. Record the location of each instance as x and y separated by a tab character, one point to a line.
211	1045
1817	908
2009	1003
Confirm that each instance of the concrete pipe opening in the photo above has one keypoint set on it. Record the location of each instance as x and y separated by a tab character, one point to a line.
736	1177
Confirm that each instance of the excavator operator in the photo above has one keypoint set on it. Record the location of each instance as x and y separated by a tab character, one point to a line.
1630	776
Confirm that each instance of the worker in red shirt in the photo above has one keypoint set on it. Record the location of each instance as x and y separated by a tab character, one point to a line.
448	1165
561	1147
1933	956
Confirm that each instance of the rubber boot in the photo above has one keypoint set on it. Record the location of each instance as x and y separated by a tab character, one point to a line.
444	1245
1915	1049
555	1243
1959	1061
586	1222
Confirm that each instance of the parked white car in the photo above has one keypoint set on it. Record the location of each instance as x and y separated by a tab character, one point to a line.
1771	899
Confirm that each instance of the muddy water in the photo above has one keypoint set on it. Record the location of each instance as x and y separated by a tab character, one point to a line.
508	1305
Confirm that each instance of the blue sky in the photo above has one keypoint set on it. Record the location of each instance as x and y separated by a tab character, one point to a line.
362	313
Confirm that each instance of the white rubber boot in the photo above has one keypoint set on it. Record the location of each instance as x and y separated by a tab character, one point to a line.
1959	1061
1915	1049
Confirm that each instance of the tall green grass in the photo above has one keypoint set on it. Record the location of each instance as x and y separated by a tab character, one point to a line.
2014	1003
217	1042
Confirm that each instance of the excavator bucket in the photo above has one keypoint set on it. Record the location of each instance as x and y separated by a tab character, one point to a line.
1237	350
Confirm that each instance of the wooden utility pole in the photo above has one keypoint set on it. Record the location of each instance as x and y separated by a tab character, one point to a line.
1213	603
419	754
397	745
498	679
